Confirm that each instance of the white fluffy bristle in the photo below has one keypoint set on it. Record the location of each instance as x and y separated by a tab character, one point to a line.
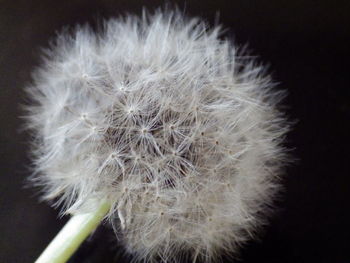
165	120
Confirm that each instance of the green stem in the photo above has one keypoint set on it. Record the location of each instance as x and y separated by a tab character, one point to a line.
76	230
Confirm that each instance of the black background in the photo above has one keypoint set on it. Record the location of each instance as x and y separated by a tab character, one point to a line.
306	44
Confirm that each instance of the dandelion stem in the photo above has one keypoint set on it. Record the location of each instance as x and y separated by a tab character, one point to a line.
76	230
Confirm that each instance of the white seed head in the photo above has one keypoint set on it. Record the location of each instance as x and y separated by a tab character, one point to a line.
167	121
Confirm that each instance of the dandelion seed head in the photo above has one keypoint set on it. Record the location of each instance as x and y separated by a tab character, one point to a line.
170	123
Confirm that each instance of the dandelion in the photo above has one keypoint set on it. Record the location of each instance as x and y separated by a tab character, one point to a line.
173	129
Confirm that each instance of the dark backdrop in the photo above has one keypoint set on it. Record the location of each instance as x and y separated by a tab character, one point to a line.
306	44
